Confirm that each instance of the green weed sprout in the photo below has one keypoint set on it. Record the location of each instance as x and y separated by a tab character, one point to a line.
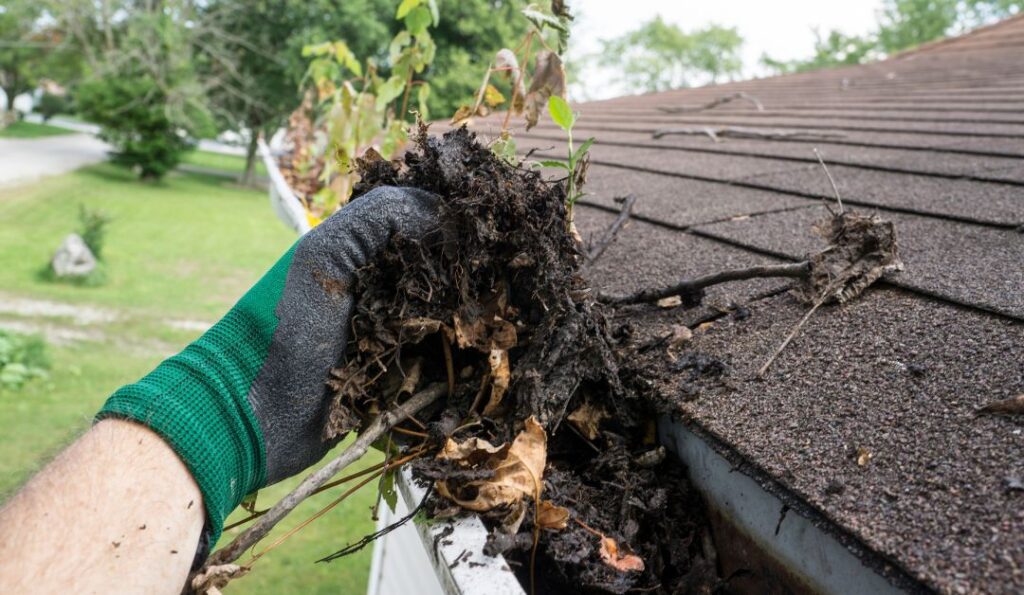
576	167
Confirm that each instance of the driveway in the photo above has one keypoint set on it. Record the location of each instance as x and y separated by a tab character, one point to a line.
22	160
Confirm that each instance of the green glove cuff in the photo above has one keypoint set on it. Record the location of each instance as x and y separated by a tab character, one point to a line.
198	400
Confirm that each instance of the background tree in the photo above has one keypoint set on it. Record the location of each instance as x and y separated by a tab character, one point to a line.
22	47
145	94
659	56
902	24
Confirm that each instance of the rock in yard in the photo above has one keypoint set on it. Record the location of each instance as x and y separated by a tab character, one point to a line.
73	258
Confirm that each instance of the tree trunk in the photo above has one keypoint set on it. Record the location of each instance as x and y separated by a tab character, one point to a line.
250	157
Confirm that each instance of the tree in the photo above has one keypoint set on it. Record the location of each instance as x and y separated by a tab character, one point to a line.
145	95
902	24
836	49
660	56
469	35
251	60
22	46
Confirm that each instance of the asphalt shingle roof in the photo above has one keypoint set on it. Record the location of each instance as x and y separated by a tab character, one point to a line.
931	139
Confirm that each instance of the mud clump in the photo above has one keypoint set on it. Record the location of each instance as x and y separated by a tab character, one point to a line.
541	433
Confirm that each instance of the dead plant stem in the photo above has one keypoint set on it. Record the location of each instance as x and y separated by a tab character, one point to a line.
691	287
381	424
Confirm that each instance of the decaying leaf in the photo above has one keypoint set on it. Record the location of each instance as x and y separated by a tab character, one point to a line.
215	578
550	516
548	79
671	301
500	377
587	419
505	61
612	556
465	112
864	456
862	248
1011	406
470	452
470	333
415	330
518	471
679	337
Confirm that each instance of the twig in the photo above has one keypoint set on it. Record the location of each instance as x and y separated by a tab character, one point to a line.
792	333
609	235
693	288
368	539
717	132
381	424
714	103
835	189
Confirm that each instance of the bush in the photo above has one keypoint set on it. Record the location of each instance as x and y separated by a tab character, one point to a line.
93	229
50	105
22	358
132	114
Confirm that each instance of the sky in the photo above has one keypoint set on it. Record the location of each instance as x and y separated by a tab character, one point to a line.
780	28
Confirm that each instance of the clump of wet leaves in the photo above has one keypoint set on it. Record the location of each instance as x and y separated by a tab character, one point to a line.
538	434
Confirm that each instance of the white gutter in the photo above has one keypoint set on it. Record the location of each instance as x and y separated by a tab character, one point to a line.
435	557
286	206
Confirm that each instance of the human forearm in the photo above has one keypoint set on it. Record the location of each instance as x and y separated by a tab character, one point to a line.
115	512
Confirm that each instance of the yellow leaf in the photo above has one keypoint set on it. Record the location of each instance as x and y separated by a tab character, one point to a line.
550	516
492	96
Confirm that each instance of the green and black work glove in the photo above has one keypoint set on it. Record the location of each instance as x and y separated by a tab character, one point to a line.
245	404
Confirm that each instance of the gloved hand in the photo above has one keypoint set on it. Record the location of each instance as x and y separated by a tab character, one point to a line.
245	404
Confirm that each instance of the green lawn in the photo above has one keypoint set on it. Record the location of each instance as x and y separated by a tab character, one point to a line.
228	163
183	249
21	129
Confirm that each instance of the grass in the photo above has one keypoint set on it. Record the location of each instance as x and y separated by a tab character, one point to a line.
228	163
21	129
183	249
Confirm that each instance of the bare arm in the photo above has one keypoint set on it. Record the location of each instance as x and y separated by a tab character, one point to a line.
115	512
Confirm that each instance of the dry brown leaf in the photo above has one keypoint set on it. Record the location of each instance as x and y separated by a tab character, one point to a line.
864	456
587	419
504	335
670	302
215	578
680	335
470	452
550	516
548	79
622	562
1011	406
517	473
500	377
469	333
415	330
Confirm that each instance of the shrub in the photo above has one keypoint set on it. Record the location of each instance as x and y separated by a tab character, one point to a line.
50	105
133	116
22	358
93	229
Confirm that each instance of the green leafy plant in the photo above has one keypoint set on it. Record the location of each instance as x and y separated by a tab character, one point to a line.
50	105
576	166
361	106
22	358
93	229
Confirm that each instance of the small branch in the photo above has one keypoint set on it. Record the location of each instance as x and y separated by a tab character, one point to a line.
381	424
835	189
717	132
715	103
792	333
609	235
694	288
